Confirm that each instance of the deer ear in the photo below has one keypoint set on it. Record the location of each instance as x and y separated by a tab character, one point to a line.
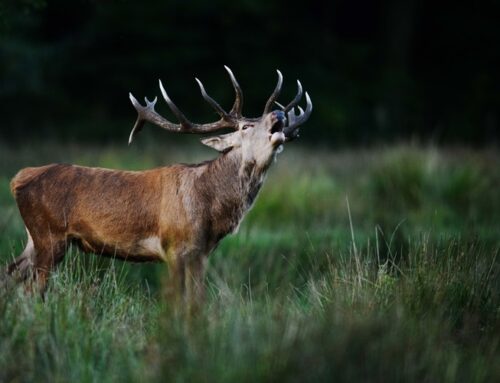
224	142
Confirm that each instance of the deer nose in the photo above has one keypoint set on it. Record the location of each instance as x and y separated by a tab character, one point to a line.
280	115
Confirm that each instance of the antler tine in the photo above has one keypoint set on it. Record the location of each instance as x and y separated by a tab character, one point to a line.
275	94
236	110
211	101
294	121
307	113
304	115
292	131
281	106
148	114
294	102
180	116
297	98
139	123
292	118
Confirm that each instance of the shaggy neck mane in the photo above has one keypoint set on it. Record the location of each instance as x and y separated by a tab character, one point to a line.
226	195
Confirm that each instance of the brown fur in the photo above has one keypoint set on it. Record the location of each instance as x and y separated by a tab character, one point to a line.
111	212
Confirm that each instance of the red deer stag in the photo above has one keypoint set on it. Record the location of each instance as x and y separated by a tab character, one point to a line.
176	214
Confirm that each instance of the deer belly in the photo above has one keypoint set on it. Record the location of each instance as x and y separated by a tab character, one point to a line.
144	250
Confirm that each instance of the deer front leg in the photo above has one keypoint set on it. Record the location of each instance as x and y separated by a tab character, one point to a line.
195	282
184	289
175	284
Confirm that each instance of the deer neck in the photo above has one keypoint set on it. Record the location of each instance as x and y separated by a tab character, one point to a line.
236	185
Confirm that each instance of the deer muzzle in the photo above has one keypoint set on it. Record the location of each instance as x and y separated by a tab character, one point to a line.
278	119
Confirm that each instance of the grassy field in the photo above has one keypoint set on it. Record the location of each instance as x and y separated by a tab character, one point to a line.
370	265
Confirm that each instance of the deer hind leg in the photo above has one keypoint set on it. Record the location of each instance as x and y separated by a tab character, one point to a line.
50	251
22	266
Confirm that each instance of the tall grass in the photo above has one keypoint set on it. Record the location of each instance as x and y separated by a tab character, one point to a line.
376	265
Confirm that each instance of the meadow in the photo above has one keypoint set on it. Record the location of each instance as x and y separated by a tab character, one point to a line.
369	265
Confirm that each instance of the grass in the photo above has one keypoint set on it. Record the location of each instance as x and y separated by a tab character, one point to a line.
367	265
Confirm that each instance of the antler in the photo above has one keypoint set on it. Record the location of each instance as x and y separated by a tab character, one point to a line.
291	131
238	102
274	96
147	113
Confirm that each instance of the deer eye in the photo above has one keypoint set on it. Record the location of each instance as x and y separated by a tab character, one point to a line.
246	126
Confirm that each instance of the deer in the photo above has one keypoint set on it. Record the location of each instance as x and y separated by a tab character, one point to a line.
174	214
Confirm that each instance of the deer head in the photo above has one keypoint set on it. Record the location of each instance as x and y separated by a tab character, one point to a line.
257	138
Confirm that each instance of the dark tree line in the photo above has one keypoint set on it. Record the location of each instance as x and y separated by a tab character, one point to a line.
377	70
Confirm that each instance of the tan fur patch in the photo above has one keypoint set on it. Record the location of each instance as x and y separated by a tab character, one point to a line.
151	246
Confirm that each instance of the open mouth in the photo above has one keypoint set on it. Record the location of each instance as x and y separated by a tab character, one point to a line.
278	126
279	119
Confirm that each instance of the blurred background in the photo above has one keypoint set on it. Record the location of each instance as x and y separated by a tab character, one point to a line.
378	71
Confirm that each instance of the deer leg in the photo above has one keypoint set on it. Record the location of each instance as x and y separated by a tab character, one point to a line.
175	285
195	282
48	254
23	264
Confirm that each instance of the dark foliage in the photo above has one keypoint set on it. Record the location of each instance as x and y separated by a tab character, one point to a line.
377	70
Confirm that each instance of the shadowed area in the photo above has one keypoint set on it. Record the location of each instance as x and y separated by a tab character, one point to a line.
377	70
